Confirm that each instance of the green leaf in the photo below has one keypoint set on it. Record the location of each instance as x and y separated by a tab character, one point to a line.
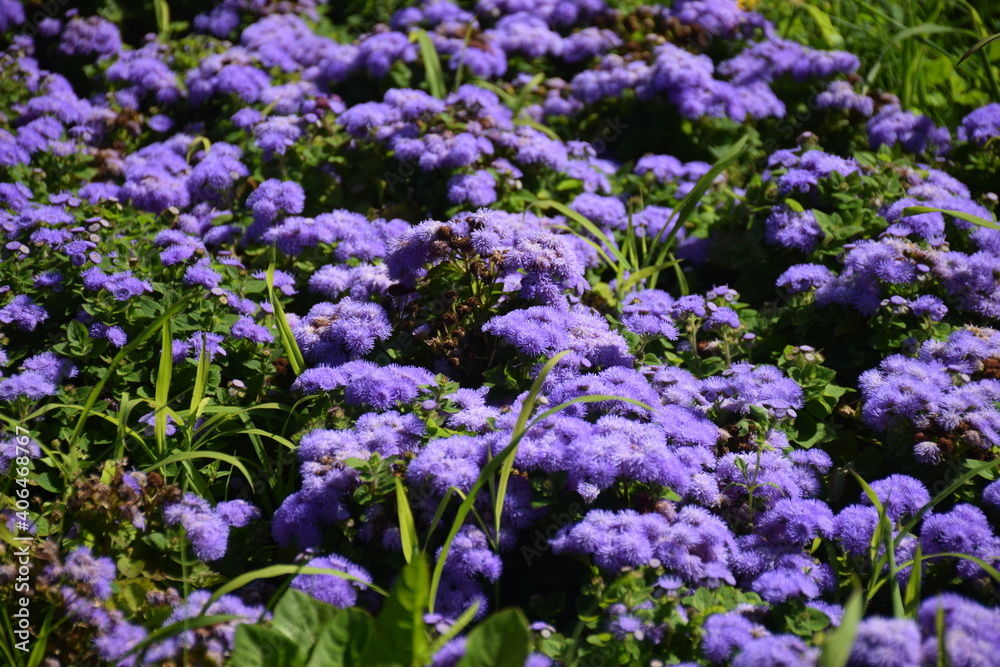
690	202
288	342
257	646
968	217
837	650
302	618
163	387
343	641
977	46
519	428
432	64
162	10
399	627
77	334
830	34
502	640
407	527
188	456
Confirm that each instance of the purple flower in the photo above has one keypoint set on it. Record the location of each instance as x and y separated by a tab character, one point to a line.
365	383
83	37
214	642
886	642
202	274
477	189
841	95
113	334
775	650
648	313
446	462
915	133
329	588
792	229
981	125
901	496
971	631
543	330
473	413
963	530
333	333
724	633
24	313
207	529
246	328
275	134
796	521
83	567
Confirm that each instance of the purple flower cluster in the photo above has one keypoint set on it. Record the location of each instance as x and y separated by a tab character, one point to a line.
914	133
935	394
690	543
207	528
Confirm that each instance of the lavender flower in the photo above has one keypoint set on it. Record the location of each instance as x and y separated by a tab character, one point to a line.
330	588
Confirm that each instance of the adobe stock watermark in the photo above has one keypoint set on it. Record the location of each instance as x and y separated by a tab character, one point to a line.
542	536
21	557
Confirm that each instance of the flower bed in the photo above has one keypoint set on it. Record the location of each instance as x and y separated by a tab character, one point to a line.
579	333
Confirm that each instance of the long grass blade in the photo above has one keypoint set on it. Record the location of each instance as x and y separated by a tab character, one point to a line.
961	215
432	64
837	650
288	342
519	426
273	571
690	201
587	224
985	41
190	456
407	527
200	384
163	387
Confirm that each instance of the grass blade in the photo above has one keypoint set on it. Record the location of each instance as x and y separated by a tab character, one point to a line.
432	64
587	224
912	600
460	624
200	384
985	41
642	274
692	198
936	500
837	650
162	10
439	513
522	96
273	571
519	427
292	351
968	217
180	626
407	527
163	375
188	456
